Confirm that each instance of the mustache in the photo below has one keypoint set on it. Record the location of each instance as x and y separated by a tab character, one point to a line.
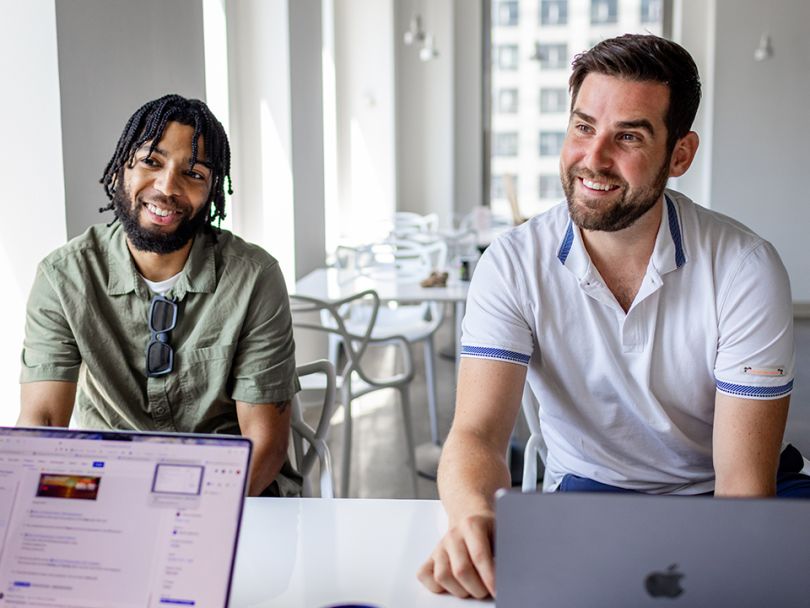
582	172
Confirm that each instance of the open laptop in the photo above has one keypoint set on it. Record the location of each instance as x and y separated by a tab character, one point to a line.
115	519
580	549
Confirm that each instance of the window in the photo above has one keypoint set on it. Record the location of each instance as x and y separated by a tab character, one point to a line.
506	144
552	56
527	84
507	101
550	187
651	11
553	100
507	57
507	13
499	185
551	142
604	11
554	12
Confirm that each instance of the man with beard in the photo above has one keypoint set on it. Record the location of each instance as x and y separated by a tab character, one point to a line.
161	321
656	335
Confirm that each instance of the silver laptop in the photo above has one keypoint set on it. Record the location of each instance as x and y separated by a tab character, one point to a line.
112	519
581	549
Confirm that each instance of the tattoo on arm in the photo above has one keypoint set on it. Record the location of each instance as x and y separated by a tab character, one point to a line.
282	406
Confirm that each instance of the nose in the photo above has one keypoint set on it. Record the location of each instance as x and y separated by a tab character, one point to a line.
599	156
167	182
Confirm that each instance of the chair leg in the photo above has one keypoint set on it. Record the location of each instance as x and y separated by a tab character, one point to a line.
405	403
346	465
430	377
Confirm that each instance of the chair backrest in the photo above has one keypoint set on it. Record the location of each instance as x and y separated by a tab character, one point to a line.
333	321
535	446
406	222
303	434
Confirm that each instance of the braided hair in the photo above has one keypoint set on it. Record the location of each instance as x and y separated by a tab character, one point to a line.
148	124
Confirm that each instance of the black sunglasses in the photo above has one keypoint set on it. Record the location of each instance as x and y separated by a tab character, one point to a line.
159	353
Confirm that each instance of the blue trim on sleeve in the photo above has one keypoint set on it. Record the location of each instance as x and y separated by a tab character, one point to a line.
675	231
568	240
495	353
742	390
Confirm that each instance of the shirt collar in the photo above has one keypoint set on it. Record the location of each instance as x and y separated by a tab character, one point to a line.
199	273
668	252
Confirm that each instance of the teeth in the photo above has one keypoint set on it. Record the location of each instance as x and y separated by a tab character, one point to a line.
158	211
597	185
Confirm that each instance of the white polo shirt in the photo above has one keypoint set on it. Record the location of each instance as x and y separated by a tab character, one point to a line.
627	399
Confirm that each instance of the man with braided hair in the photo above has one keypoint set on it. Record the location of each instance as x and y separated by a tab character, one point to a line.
160	320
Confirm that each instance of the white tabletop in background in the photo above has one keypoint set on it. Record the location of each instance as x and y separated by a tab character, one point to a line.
333	284
313	553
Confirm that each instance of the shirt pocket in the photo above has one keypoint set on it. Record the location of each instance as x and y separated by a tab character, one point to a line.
205	381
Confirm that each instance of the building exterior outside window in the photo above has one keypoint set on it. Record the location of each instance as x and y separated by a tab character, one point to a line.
553	12
551	142
506	144
553	100
529	86
507	102
507	15
604	11
499	186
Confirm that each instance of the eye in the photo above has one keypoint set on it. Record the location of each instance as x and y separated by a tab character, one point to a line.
582	127
149	161
630	137
195	175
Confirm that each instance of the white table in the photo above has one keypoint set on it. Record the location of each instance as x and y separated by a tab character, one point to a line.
333	284
313	553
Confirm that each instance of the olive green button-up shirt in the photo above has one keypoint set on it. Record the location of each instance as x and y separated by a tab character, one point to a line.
87	323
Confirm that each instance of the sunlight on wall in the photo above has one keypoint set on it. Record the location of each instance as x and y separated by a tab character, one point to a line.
371	208
215	41
277	196
330	163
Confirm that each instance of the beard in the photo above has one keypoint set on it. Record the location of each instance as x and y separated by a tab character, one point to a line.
128	213
593	214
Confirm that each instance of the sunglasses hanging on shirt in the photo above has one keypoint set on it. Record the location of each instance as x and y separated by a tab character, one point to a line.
163	313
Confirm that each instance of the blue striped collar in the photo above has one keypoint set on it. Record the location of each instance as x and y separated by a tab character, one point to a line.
668	254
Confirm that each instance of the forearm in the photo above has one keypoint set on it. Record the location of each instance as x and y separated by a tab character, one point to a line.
46	403
470	472
268	458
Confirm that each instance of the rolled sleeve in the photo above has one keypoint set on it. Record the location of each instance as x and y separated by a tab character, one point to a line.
264	365
755	356
50	351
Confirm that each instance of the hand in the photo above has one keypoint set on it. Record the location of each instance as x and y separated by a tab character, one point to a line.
462	563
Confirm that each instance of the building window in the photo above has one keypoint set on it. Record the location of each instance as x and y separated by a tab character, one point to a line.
506	144
507	102
553	100
507	57
552	56
551	142
550	187
554	12
604	11
507	15
651	11
499	185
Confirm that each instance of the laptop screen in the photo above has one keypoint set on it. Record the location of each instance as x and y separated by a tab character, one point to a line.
100	519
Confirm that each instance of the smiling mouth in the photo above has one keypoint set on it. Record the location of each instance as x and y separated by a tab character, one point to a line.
597	185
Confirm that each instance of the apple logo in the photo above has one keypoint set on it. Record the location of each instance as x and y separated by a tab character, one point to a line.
664	584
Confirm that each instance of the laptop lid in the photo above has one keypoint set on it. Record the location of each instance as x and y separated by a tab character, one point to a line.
118	519
581	549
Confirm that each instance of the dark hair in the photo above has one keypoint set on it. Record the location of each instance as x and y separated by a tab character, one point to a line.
148	124
646	58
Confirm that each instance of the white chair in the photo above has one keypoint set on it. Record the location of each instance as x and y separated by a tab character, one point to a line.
404	261
314	439
352	380
407	223
535	446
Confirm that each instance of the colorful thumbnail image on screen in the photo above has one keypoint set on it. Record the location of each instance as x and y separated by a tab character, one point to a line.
68	486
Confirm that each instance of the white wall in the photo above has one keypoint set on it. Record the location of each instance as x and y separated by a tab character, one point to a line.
425	123
31	171
366	111
761	130
114	55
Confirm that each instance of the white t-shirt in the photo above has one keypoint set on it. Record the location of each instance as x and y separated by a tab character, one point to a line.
162	287
628	399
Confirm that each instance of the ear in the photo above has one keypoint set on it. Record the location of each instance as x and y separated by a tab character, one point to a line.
683	154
